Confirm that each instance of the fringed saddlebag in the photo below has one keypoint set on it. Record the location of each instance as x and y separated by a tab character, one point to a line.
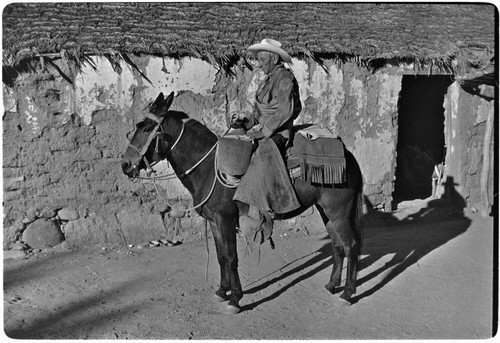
320	160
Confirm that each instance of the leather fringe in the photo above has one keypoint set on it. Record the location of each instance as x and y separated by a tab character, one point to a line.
322	174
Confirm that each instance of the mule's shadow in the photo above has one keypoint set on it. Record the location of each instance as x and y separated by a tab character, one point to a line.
408	240
323	254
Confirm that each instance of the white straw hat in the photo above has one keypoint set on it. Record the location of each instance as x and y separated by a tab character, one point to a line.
271	45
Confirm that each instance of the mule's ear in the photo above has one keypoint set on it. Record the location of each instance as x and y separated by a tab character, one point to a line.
168	100
159	99
157	104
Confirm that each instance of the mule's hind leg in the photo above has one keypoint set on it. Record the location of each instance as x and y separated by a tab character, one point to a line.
344	245
338	254
338	263
335	211
352	270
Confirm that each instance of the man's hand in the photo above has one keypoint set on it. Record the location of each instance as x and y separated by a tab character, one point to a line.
255	134
237	122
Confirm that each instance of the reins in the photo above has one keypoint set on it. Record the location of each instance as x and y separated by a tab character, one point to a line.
152	178
151	172
190	170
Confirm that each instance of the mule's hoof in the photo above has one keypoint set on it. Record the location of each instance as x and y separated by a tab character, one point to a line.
231	309
330	288
347	295
220	298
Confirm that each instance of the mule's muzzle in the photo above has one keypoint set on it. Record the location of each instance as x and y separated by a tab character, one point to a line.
129	170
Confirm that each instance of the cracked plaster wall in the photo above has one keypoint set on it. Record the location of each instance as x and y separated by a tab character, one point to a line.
465	125
63	143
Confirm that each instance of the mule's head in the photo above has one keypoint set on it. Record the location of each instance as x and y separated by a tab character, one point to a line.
142	148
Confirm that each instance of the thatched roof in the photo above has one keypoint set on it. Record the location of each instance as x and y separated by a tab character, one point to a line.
367	32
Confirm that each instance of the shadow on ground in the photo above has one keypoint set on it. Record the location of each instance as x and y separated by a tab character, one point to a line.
404	235
78	318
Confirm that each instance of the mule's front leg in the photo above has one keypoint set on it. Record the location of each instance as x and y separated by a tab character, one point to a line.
224	232
225	284
234	277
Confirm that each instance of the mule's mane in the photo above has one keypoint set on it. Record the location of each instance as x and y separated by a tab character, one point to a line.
177	115
200	134
198	128
200	131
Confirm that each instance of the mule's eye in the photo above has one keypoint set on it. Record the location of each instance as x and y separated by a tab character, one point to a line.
148	130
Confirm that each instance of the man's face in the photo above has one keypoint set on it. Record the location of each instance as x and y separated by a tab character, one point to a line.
266	61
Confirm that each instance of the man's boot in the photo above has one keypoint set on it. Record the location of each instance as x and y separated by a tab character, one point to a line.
256	226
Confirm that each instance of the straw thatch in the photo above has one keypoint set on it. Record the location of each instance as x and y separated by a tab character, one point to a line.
424	33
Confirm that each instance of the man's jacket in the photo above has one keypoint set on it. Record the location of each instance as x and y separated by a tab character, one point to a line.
277	103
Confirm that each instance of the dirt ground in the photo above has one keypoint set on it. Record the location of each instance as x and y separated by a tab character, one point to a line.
425	272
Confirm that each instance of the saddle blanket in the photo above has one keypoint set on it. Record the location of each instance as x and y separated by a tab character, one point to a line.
315	131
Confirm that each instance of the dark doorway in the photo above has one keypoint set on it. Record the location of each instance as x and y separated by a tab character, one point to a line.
421	143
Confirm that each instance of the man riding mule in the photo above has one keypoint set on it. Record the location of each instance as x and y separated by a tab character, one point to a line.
266	186
192	149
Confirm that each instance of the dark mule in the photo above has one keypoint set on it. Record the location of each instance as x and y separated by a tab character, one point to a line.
188	146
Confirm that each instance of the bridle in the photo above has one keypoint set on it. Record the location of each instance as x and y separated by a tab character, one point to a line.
156	135
153	134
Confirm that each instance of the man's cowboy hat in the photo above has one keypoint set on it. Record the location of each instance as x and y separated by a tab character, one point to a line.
271	45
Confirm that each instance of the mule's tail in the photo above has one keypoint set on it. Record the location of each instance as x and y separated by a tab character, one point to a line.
358	219
357	215
355	182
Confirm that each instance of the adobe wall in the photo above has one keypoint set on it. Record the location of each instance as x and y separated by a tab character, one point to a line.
62	143
465	126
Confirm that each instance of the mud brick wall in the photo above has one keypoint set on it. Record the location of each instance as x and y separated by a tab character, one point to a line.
62	142
465	125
